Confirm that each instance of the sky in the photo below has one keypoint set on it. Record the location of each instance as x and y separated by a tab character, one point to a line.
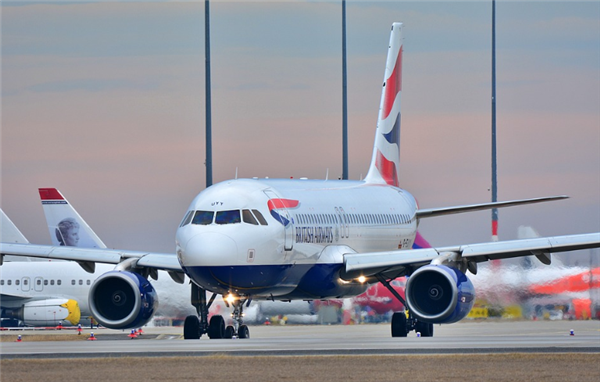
105	101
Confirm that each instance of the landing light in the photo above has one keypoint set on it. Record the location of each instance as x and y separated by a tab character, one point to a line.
230	298
362	279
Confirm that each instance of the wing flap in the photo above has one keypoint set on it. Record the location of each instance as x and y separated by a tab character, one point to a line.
163	261
370	264
516	248
400	262
431	212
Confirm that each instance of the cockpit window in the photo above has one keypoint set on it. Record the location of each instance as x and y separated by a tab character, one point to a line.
186	220
247	217
228	217
203	217
259	217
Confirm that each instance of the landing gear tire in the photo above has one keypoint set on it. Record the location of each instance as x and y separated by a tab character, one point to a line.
399	325
426	329
191	328
216	328
229	332
244	332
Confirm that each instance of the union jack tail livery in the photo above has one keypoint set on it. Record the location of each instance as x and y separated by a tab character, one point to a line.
386	152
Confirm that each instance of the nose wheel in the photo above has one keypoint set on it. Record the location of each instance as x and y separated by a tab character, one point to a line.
196	326
238	329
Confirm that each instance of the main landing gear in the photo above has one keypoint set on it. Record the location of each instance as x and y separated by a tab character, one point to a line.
195	326
403	323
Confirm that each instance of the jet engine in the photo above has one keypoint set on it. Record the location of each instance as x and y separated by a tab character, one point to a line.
122	300
439	294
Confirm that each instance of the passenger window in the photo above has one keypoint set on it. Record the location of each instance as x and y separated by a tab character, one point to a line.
25	282
58	282
80	282
51	282
88	282
228	217
1	282
186	220
45	282
9	282
72	282
247	217
38	282
259	217
17	282
203	217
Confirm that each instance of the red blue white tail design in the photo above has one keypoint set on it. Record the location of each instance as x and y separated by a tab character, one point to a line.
386	151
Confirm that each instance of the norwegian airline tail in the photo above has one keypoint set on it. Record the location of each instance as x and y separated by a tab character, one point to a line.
66	226
386	151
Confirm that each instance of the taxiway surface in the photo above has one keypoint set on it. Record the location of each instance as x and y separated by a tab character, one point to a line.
466	337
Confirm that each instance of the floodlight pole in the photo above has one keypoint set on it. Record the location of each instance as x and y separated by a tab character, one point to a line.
207	87
344	98
494	164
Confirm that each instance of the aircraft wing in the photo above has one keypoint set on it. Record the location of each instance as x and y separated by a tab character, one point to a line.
398	263
161	261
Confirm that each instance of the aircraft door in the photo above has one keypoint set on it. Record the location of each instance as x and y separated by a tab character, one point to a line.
278	209
38	285
25	284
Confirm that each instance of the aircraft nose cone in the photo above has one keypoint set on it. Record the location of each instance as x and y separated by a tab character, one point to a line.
209	249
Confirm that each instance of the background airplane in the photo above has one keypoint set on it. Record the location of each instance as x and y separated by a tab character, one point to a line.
39	293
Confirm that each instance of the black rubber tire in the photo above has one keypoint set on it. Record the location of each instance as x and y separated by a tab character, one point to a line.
191	328
229	332
243	332
425	328
399	325
216	327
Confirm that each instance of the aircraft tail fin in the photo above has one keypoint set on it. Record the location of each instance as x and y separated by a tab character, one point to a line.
66	226
10	232
386	151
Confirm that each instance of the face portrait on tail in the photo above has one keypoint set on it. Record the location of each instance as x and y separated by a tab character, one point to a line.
67	232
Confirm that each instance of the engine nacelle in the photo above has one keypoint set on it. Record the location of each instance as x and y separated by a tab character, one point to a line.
122	300
439	294
47	312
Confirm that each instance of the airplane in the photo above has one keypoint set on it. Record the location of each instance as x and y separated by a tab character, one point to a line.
39	298
299	239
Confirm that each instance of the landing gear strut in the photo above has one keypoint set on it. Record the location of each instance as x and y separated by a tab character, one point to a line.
403	323
238	328
196	326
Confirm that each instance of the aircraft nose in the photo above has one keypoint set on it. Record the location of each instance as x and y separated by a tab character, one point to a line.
209	249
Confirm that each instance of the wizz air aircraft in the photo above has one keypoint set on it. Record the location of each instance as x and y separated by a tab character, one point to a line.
296	239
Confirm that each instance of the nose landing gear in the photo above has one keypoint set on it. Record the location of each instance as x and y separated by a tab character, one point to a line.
196	326
238	329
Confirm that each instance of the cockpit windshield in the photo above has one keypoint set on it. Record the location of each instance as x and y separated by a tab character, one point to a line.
252	217
228	217
203	217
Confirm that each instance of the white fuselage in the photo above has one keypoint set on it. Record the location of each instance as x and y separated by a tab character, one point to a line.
297	251
39	280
